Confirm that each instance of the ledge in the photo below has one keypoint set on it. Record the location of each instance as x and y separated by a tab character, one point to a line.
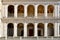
30	20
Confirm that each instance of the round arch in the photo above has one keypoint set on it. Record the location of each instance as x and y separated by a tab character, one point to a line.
40	9
10	11
20	29
20	10
30	30
10	29
50	29
50	10
40	27
31	10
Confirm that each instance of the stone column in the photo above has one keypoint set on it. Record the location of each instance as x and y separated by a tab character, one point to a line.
55	29
5	29
3	10
25	10
55	11
45	30
58	29
58	11
15	11
35	30
15	29
46	10
36	13
25	29
6	11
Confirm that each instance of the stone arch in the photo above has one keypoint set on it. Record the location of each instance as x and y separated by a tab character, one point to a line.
10	29
40	10
20	11
50	10
10	11
30	11
40	27
20	29
30	30
50	29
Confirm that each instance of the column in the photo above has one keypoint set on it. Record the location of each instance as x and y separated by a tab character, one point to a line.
58	11
25	10
35	30
5	29
6	11
15	29
15	11
45	30
36	13
25	29
58	29
55	30
46	10
55	11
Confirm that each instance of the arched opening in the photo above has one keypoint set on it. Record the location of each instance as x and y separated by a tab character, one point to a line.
20	11
50	10
10	11
30	11
10	29
40	29
20	29
40	10
50	29
30	30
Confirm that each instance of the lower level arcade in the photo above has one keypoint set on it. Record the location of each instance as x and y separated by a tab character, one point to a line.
31	29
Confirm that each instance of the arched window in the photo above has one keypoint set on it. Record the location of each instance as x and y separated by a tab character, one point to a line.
20	29
50	29
10	11
20	11
30	30
10	29
40	29
30	11
40	10
50	10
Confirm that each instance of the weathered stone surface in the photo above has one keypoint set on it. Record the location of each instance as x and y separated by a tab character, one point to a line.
30	20
30	0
